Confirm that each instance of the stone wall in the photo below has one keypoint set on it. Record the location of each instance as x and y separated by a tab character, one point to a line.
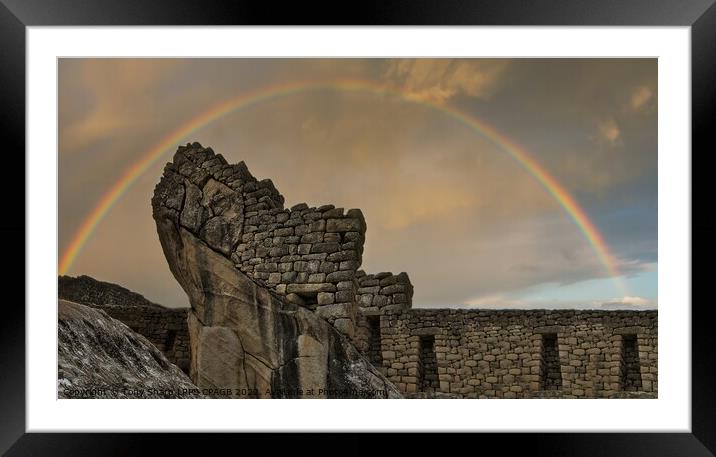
520	354
375	294
309	255
247	339
166	328
376	291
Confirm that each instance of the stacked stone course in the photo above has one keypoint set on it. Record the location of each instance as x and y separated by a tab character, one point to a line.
499	354
309	255
166	328
381	290
376	294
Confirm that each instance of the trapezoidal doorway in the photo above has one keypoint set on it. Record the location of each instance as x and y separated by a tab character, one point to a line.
427	365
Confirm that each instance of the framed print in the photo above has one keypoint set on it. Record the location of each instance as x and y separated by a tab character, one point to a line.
381	228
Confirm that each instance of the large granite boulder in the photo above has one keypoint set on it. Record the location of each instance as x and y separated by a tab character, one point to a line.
100	357
247	341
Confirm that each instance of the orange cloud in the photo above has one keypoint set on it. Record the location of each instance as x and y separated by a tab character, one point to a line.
438	80
609	130
641	97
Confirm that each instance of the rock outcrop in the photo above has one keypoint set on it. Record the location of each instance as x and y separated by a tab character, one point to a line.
245	335
166	328
100	357
89	291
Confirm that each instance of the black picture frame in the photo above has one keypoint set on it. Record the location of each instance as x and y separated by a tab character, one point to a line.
16	15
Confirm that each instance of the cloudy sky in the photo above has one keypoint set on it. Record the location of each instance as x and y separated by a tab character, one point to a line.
442	202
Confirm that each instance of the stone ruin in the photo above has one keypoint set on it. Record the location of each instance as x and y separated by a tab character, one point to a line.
272	290
280	307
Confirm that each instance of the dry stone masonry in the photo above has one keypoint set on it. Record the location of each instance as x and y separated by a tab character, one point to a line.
309	255
521	354
279	306
375	294
272	291
383	291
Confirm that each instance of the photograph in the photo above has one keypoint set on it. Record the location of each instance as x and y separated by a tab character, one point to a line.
385	221
357	228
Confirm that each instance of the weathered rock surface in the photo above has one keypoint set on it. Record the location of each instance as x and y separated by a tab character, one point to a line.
245	337
165	328
89	291
100	357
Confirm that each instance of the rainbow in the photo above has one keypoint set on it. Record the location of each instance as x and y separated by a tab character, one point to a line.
169	142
